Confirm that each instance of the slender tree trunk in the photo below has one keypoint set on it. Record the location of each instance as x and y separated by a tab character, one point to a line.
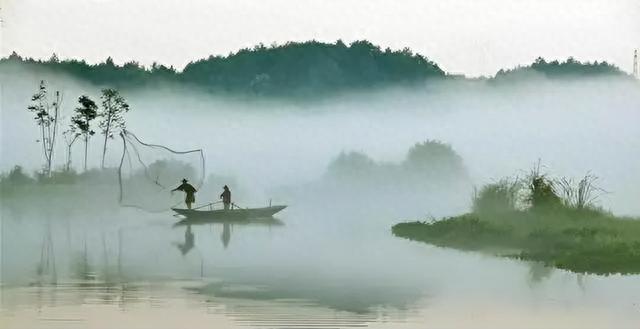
44	146
106	132
48	145
69	145
68	165
106	136
55	129
86	147
47	142
104	151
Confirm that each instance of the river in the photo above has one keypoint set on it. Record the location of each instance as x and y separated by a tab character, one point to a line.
312	267
325	266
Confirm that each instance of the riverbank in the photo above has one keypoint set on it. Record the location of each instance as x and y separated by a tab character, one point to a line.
585	241
540	218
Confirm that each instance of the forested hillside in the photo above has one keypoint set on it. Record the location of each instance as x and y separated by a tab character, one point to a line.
294	69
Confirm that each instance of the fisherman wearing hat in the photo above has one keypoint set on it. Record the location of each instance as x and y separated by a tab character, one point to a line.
226	197
189	190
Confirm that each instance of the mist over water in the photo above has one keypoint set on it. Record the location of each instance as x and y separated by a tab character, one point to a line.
498	129
331	261
327	268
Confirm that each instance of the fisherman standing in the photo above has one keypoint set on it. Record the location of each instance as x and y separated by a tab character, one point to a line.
226	197
189	190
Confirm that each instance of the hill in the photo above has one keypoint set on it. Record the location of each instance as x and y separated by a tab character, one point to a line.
295	69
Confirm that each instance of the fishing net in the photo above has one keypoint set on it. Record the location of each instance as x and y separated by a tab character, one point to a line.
148	172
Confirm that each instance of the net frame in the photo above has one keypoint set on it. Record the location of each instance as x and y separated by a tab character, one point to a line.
128	139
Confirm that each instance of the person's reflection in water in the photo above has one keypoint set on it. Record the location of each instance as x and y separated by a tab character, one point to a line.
226	234
189	241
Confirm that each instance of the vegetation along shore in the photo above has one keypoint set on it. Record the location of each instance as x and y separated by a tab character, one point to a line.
539	218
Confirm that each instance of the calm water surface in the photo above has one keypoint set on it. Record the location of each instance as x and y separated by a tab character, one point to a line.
313	267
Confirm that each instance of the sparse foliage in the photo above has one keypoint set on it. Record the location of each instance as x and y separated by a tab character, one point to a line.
85	113
70	137
113	108
46	117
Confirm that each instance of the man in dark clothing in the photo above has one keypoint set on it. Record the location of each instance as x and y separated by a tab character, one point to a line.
226	197
189	190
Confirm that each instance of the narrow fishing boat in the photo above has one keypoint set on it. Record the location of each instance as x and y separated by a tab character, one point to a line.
236	214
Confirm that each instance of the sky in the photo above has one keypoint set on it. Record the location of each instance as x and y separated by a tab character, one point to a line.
472	37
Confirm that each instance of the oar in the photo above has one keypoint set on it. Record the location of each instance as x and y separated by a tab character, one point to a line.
208	204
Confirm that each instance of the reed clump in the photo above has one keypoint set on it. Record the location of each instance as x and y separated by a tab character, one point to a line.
556	221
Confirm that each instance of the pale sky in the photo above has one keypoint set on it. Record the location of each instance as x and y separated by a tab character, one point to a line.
474	37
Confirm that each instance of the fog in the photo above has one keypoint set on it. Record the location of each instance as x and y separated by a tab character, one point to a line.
499	129
332	246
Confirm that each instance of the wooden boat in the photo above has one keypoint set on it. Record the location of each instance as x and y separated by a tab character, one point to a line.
230	214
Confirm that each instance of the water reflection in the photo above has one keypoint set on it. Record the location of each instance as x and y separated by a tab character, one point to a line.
225	237
189	241
227	227
46	268
293	313
319	270
53	306
538	272
81	268
358	295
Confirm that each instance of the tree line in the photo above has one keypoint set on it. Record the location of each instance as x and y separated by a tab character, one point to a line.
46	110
567	68
291	69
294	69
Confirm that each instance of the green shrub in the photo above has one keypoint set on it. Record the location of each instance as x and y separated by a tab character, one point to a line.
435	157
541	190
499	197
16	177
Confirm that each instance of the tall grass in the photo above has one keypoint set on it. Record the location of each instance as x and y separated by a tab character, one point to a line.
553	220
537	191
582	194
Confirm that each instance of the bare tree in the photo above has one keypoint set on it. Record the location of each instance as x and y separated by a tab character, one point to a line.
46	116
70	137
113	109
85	113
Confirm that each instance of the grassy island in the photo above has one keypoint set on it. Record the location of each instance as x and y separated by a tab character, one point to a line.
539	218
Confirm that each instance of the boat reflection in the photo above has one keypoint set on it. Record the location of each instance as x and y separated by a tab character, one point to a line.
227	228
